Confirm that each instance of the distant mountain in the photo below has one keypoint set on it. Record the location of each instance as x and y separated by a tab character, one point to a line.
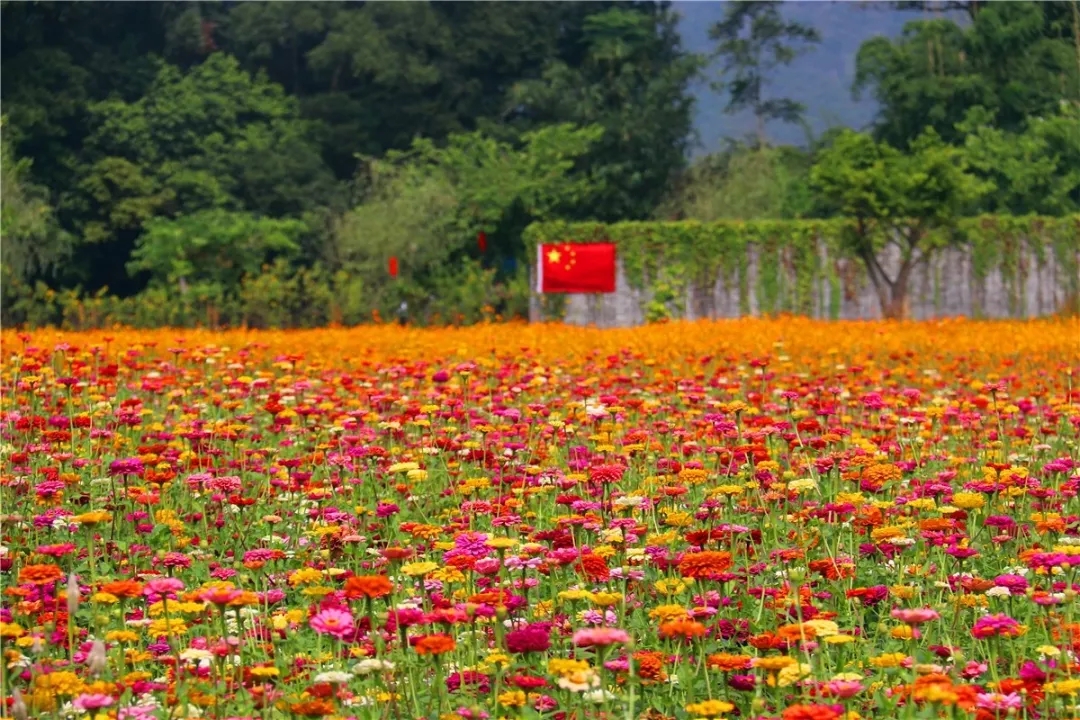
821	79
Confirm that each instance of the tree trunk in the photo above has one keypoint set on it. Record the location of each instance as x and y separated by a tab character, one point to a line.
896	307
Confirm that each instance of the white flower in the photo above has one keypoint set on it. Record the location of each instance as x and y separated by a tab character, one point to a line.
371	665
203	657
334	677
597	696
998	591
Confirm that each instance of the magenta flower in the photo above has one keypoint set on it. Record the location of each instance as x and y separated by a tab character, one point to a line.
998	624
535	637
333	621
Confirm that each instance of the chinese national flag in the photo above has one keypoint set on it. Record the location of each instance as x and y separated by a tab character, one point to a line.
576	268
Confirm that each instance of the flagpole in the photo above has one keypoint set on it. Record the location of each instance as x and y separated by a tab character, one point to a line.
535	308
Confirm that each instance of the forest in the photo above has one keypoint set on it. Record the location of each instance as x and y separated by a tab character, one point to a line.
260	164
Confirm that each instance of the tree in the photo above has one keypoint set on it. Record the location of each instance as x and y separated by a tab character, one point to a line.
896	199
426	205
1016	60
376	75
1033	171
753	39
211	138
744	183
216	247
633	81
31	241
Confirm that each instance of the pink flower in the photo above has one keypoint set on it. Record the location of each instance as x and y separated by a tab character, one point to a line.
600	636
844	688
999	624
162	587
916	616
999	702
973	669
92	701
332	621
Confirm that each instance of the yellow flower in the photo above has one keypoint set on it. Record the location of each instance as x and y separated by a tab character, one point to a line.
792	674
1062	687
561	666
607	599
305	576
167	627
419	568
901	632
823	628
501	543
709	708
575	595
772	664
104	598
121	636
902	592
94	517
670	586
543	609
403	467
677	518
667	613
968	500
513	698
263	671
11	630
888	660
448	575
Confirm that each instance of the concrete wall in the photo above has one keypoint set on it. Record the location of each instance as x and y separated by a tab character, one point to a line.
946	286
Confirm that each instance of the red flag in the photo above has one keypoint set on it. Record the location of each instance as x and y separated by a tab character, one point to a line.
577	268
393	266
481	241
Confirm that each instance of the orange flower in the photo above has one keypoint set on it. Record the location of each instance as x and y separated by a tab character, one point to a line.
123	588
688	629
650	665
369	586
313	708
705	564
809	712
434	645
40	574
728	663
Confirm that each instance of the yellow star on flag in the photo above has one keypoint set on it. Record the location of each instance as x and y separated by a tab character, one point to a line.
554	255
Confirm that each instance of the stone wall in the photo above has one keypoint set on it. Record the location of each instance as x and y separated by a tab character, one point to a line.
946	286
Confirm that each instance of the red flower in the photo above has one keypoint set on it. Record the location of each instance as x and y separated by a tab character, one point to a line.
594	568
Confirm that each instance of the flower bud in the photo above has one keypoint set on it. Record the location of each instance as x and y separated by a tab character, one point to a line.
96	661
18	707
72	595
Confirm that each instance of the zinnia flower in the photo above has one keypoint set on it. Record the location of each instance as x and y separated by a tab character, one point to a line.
333	621
368	586
434	645
535	637
602	637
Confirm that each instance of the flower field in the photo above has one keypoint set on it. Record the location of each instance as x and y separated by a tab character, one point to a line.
753	519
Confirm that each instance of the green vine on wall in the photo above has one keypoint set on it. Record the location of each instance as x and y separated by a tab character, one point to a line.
790	255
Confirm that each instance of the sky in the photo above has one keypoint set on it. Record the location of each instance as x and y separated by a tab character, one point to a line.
820	79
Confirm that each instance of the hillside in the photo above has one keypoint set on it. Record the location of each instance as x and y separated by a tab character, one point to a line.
821	79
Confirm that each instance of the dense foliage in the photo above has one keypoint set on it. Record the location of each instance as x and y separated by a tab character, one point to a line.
220	150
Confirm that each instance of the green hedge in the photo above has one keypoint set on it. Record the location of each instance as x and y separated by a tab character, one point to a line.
666	256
